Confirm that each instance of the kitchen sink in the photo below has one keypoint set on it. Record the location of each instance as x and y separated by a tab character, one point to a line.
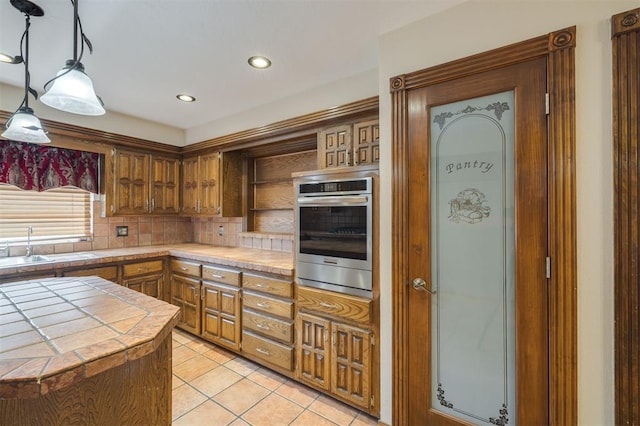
23	260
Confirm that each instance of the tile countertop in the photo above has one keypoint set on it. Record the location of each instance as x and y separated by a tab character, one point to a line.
269	261
58	331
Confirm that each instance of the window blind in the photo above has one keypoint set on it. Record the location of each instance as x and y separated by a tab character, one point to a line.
55	215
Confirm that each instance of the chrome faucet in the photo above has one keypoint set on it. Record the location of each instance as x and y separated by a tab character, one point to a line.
29	248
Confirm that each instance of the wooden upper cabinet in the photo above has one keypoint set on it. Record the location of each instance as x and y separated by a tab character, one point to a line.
190	186
209	181
334	146
131	183
366	142
212	184
144	184
349	145
165	185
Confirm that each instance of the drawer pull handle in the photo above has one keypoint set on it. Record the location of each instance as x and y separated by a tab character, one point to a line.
328	305
217	276
263	326
263	351
260	285
262	304
182	268
141	269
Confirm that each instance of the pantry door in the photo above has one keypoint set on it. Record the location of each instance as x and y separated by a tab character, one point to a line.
484	238
477	249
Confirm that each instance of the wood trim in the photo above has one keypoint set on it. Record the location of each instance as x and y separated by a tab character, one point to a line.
558	47
297	131
563	322
626	176
304	124
400	252
86	134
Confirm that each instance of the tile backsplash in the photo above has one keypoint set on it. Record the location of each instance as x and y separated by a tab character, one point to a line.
152	230
142	231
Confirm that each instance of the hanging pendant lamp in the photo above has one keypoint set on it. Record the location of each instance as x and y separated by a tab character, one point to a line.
71	90
24	126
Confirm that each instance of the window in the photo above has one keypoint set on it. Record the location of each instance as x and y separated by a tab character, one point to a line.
56	215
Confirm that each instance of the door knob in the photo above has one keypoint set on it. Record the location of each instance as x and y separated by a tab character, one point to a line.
420	284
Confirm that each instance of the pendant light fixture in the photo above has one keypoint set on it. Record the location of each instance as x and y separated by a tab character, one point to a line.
71	90
24	126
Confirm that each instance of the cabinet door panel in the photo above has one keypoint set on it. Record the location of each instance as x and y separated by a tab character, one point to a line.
313	354
185	292
229	302
209	185
165	174
351	364
229	332
190	185
211	325
211	298
334	146
131	182
149	285
366	142
221	315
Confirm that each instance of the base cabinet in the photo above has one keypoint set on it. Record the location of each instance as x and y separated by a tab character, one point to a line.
313	352
335	357
335	345
267	320
185	293
351	364
145	277
221	315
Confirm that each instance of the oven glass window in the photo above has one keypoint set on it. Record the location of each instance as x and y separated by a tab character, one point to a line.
334	231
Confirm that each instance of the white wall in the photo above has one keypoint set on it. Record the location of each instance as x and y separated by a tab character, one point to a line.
478	26
11	97
351	89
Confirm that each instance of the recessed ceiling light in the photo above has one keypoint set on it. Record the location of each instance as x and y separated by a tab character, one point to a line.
186	98
259	62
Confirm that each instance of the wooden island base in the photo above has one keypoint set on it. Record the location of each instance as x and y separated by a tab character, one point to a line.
134	393
84	351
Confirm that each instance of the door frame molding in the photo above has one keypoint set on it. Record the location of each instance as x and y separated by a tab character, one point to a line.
625	29
558	48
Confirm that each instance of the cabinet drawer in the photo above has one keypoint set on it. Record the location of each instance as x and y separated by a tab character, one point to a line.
267	350
107	272
268	305
221	275
269	326
267	285
340	305
142	268
186	268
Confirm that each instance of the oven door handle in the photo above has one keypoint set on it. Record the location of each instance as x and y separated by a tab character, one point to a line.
345	200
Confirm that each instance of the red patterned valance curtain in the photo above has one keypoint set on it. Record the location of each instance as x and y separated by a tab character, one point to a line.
40	167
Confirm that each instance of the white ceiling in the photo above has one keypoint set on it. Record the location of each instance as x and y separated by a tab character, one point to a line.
147	51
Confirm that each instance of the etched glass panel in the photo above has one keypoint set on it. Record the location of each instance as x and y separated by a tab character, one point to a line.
472	223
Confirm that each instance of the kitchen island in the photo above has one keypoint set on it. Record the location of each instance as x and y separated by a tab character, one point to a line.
84	351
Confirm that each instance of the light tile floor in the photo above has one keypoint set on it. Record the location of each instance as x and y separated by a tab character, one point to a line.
212	386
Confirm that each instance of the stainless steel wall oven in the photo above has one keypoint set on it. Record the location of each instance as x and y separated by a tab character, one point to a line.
334	240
